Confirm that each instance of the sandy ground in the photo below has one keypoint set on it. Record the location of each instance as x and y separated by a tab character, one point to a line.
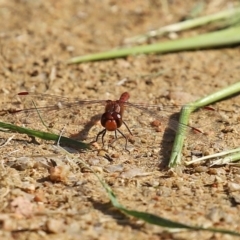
43	201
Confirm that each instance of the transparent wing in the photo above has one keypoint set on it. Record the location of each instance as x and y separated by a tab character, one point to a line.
163	115
42	111
203	129
81	119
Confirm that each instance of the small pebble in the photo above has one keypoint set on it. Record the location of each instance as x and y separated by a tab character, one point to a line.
201	169
233	186
114	168
55	226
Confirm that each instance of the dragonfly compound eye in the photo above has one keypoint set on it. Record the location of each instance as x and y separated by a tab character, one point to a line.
118	119
111	121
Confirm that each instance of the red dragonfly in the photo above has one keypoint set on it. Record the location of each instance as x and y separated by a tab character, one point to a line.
47	107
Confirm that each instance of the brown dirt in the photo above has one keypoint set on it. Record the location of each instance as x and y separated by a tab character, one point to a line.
66	201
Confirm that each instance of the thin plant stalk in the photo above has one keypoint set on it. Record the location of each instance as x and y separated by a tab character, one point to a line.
175	158
232	155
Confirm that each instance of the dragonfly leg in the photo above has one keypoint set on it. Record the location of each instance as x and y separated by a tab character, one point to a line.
127	128
103	132
125	139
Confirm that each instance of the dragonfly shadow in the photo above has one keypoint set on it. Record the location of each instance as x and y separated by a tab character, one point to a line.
167	143
83	134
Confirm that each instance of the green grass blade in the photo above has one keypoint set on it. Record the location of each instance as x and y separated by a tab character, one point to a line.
215	39
147	217
228	15
163	222
175	157
44	135
39	115
152	218
185	114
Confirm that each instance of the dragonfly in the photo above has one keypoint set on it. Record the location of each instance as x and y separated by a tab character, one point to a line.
113	114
